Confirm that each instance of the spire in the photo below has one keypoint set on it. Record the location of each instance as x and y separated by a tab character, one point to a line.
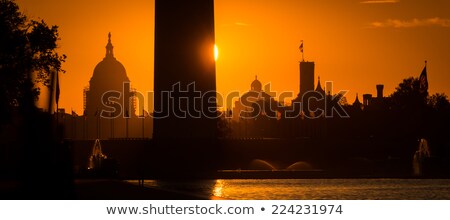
319	87
357	99
109	47
357	103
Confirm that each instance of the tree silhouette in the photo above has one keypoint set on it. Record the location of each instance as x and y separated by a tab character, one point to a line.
27	56
439	101
407	95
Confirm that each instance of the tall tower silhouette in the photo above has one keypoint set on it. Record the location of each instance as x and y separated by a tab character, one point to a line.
306	77
184	78
380	88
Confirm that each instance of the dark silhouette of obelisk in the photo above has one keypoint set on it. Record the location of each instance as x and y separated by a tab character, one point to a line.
184	60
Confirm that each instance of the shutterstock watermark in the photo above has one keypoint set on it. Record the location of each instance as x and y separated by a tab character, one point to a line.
186	101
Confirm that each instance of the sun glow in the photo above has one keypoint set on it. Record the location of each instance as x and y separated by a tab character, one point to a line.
216	52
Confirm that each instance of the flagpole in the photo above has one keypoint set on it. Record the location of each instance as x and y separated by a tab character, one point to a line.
423	80
51	94
57	95
57	102
301	50
126	122
303	53
143	121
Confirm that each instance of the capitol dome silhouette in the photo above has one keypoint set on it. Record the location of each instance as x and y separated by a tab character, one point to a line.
109	70
109	75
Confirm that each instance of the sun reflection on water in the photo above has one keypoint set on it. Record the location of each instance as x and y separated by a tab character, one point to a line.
218	188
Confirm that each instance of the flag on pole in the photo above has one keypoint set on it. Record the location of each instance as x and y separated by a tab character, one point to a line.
301	46
423	80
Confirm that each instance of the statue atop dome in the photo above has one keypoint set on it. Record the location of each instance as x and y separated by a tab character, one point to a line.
109	47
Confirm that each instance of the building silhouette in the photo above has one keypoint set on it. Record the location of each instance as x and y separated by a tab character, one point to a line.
306	77
377	102
380	88
357	105
255	113
184	76
367	99
319	88
109	75
244	106
301	105
256	85
110	110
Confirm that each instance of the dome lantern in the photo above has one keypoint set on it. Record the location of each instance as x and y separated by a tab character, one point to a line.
256	85
109	47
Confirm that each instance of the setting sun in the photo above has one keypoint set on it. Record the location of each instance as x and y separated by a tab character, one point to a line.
216	52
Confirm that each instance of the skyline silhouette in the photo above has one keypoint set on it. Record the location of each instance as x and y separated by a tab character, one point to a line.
347	49
198	132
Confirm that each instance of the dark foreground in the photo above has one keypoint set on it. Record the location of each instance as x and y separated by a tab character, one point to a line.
120	190
99	190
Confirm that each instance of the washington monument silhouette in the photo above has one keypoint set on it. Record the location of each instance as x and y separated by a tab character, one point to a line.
185	118
185	71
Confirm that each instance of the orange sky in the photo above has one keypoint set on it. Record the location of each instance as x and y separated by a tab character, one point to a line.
355	43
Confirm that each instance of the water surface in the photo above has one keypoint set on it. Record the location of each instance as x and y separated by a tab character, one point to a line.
275	189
